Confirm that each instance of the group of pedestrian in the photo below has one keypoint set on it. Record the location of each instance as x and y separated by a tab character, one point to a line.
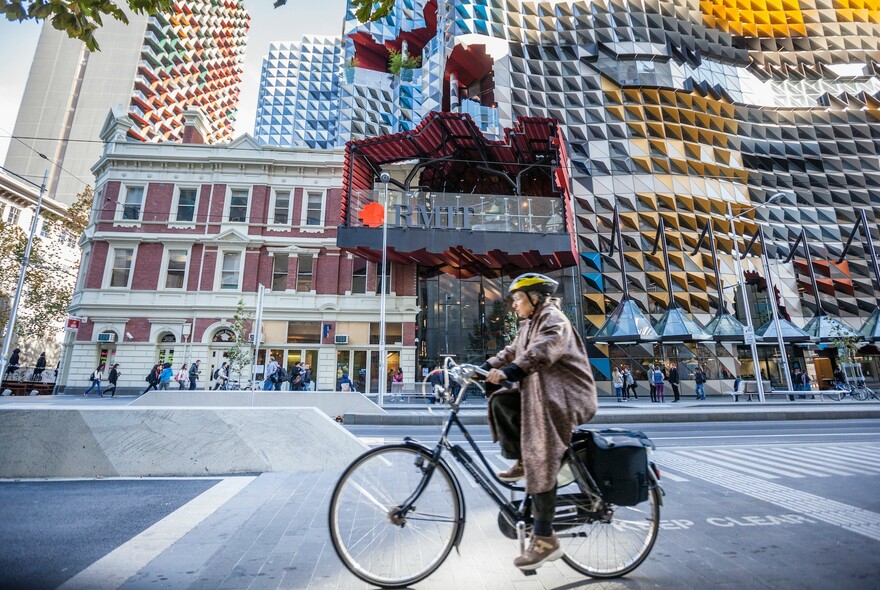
624	383
159	377
299	376
14	364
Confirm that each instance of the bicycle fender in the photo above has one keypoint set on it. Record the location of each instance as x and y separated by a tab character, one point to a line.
656	483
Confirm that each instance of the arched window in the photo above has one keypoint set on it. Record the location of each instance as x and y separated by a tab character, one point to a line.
224	336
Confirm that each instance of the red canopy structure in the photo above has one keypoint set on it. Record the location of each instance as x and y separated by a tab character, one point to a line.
450	155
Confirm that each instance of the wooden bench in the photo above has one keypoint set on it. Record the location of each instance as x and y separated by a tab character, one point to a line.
749	388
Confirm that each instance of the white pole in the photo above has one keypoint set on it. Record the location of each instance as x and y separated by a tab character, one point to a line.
258	323
742	289
383	382
775	310
13	312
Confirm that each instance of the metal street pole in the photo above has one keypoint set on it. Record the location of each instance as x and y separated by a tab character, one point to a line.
13	312
383	378
258	324
740	277
775	310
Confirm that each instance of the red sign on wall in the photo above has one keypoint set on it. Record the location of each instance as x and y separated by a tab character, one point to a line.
72	324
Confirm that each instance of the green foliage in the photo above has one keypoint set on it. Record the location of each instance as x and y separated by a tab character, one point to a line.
365	10
78	18
48	284
847	346
398	61
240	353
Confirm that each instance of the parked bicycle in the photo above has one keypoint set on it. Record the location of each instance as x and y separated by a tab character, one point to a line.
857	391
398	510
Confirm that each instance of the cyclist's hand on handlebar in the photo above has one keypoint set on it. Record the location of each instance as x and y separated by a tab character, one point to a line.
496	376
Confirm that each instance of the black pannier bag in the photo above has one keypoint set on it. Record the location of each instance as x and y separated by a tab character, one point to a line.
618	461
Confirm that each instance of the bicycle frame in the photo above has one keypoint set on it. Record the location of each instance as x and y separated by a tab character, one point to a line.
513	516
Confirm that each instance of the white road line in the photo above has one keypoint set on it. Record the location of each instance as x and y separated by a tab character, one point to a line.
823	456
850	518
867	464
724	462
801	457
115	568
763	457
664	475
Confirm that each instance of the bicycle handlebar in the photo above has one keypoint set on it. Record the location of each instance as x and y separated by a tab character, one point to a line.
464	374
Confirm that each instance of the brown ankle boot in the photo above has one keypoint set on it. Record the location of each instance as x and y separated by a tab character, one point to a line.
540	551
515	473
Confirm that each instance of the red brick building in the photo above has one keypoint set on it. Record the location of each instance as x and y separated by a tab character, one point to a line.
181	232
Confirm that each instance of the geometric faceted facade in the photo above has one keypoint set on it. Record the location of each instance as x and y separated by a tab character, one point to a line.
298	103
672	110
191	57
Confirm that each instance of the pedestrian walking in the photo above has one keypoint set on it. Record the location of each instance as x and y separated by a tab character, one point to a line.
674	381
344	384
700	379
658	384
194	374
296	377
112	378
308	384
165	376
221	376
39	368
630	384
95	378
617	383
182	377
651	386
14	361
271	374
152	378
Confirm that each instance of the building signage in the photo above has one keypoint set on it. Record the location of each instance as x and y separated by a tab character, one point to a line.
73	324
749	335
424	217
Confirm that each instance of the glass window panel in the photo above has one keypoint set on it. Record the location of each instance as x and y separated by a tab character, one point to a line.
314	207
231	270
238	205
186	204
176	269
279	272
134	197
304	332
282	207
359	276
383	281
121	270
304	274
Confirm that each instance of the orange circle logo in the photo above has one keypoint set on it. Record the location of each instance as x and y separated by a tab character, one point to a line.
373	215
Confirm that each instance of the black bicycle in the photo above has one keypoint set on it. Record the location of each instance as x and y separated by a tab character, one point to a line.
398	510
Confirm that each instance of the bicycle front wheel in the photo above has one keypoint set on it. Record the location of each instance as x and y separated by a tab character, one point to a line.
377	543
860	393
609	548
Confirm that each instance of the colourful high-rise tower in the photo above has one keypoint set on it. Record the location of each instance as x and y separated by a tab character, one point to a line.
154	67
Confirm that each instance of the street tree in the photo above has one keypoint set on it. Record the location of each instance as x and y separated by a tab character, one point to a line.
79	18
240	353
50	277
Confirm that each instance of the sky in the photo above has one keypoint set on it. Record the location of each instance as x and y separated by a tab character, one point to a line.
287	23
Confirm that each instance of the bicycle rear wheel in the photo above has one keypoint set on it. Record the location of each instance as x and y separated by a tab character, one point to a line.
614	548
860	393
376	544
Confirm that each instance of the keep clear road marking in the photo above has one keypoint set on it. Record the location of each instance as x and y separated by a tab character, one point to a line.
850	518
115	568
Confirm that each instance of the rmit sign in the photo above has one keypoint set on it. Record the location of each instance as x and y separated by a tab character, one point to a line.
424	217
419	216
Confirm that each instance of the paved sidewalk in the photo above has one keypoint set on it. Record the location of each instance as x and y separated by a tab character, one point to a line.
643	410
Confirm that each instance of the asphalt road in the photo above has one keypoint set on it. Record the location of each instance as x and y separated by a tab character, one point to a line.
748	505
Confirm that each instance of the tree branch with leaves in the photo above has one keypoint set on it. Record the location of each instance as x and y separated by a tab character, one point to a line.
240	353
79	18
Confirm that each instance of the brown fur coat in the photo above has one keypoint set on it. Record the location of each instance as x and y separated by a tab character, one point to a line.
558	392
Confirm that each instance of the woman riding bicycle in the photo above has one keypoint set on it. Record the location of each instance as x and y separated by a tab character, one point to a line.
556	393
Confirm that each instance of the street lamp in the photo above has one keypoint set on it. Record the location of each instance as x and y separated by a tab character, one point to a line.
750	339
385	178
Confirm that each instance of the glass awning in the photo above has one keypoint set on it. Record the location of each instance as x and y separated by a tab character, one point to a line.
825	328
871	330
676	324
790	332
725	327
626	323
